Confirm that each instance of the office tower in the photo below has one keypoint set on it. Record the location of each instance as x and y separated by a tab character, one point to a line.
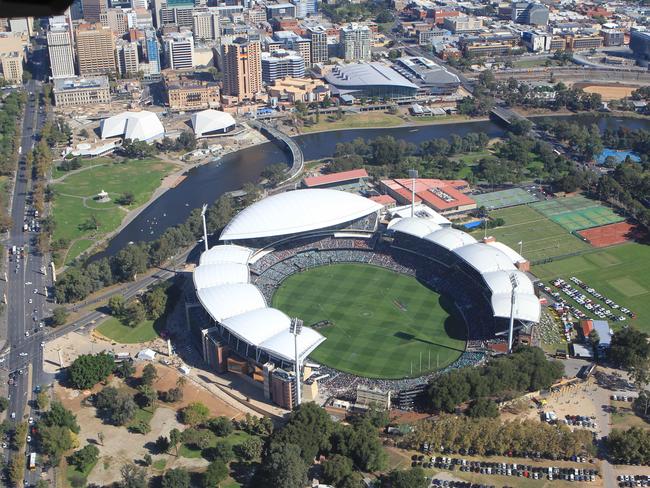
529	13
23	25
141	4
293	42
11	65
179	48
59	46
76	10
242	68
116	19
282	63
95	50
318	37
152	51
205	25
301	8
92	9
355	42
127	57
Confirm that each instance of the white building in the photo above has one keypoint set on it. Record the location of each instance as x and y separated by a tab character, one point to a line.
141	126
59	46
179	48
205	25
212	122
127	58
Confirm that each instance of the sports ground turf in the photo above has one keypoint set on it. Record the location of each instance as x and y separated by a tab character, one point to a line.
504	198
542	238
382	322
577	213
622	273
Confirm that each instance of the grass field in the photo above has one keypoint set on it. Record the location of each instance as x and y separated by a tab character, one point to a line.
504	198
355	121
57	173
114	329
74	206
542	238
577	213
382	322
621	273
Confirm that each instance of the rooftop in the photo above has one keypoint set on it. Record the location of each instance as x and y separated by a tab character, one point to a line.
353	174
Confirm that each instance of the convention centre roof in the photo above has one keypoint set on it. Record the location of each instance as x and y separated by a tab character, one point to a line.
355	75
141	126
297	211
207	122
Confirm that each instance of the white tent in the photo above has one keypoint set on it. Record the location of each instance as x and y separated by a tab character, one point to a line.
141	126
146	355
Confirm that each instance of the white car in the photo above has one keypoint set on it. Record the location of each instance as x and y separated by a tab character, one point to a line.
31	420
26	333
31	301
35	291
23	354
42	344
29	438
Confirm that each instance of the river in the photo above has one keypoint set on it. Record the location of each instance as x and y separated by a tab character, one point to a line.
206	183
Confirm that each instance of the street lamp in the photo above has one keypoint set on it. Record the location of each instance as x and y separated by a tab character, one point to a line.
513	281
204	209
295	328
413	174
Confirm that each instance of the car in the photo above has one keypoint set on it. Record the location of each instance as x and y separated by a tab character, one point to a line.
13	415
29	438
26	333
35	291
31	420
23	354
42	344
31	301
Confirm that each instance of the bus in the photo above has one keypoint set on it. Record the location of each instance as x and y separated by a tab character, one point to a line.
32	461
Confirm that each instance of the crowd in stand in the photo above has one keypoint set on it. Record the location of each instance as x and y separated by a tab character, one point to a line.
293	257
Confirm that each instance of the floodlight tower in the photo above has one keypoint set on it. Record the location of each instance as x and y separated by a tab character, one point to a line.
513	281
204	209
413	174
295	328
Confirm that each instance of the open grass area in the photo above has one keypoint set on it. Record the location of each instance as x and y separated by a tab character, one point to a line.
355	121
381	323
77	215
73	475
542	238
85	162
621	273
115	330
534	63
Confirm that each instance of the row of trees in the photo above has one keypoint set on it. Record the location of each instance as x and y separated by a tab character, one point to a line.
56	432
630	446
82	279
491	436
527	369
152	305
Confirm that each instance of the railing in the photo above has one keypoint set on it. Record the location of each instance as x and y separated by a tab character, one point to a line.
298	159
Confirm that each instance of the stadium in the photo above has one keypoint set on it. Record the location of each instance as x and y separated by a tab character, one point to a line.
346	237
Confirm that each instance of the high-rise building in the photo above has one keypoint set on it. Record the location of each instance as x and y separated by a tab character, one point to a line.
11	64
92	9
242	68
529	13
116	19
280	64
355	40
318	37
59	46
127	58
76	10
152	51
142	4
23	25
293	42
95	50
179	48
205	25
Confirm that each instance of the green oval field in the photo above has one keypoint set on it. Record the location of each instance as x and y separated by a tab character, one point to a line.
383	324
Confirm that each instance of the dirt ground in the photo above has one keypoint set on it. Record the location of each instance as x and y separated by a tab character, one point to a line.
610	92
120	446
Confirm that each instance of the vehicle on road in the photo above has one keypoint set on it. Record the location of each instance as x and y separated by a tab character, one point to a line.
23	354
32	459
26	333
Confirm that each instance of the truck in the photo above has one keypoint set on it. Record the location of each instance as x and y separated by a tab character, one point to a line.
25	227
32	461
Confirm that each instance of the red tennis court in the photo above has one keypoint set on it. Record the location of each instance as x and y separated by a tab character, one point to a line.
608	235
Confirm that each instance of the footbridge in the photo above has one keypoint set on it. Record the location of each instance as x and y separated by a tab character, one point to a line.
298	159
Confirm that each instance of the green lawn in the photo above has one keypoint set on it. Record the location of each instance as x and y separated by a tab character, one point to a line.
473	158
355	121
621	273
383	323
72	473
115	330
57	173
74	206
577	213
542	238
234	439
159	464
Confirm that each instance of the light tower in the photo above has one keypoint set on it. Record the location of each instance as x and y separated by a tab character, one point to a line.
513	281
413	174
204	209
296	328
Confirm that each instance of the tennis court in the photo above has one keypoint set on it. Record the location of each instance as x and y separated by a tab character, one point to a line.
611	234
577	213
540	237
504	198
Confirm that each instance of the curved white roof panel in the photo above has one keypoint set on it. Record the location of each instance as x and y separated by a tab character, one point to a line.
499	282
514	256
281	345
527	306
226	301
141	126
450	238
297	211
484	258
413	226
211	121
259	325
207	275
228	253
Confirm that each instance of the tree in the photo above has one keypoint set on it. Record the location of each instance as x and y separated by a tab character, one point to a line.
186	141
125	369
127	198
134	314
283	466
162	444
60	416
409	478
16	469
217	472
175	438
149	374
483	407
85	457
176	478
54	441
59	316
147	460
129	262
629	348
133	476
194	414
4	403
221	426
42	400
336	469
155	302
88	370
117	305
250	449
275	173
147	395
116	405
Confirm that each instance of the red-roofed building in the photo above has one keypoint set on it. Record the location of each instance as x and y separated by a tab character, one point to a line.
386	200
586	326
443	196
352	179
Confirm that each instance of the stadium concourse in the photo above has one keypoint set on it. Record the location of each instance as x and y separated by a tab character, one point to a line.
290	232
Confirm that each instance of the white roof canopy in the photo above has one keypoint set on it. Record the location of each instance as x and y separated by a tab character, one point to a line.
499	282
281	345
514	256
257	326
209	121
141	126
226	301
228	253
297	211
450	238
484	258
527	306
413	226
207	275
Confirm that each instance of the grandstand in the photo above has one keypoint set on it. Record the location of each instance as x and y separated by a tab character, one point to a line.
290	232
